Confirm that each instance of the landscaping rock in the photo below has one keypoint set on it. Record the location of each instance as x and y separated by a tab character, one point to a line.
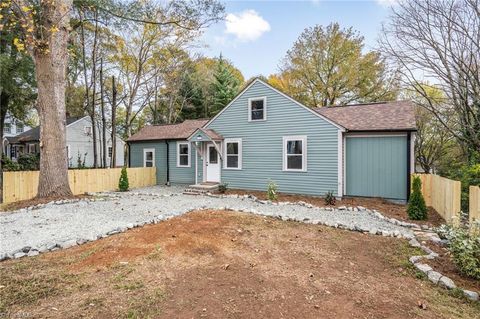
423	267
434	276
19	255
414	243
415	259
472	295
32	253
68	244
446	283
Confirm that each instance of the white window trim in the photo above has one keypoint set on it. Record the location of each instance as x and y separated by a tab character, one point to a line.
145	150
303	138
29	148
240	155
264	98
178	153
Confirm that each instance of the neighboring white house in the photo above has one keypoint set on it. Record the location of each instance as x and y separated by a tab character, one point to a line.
79	143
12	127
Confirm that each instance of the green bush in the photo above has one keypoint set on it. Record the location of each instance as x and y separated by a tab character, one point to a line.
272	191
123	182
330	199
9	166
417	210
222	188
29	162
465	249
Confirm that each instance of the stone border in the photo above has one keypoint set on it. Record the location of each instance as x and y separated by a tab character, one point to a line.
434	276
34	251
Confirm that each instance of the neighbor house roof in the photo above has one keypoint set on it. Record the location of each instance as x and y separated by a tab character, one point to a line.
381	116
33	135
167	131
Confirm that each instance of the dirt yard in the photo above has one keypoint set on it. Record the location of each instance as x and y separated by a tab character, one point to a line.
220	264
387	208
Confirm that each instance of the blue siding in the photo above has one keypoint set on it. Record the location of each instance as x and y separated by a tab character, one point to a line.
376	166
181	175
136	157
263	145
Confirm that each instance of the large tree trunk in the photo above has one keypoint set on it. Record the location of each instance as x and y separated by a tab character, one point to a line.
50	69
104	119
113	159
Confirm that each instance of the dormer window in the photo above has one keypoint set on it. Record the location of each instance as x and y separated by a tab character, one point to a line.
257	109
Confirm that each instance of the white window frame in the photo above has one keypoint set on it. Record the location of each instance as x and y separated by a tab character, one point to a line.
302	138
17	125
240	155
29	148
7	128
145	151
178	153
250	100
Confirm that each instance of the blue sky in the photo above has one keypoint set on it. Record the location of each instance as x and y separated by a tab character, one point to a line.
257	34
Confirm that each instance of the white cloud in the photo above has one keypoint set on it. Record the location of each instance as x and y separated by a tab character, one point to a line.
247	25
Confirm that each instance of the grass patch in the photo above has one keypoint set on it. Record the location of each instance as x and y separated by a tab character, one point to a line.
146	306
23	285
130	285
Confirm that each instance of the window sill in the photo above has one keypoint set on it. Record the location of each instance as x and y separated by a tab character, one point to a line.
295	170
183	166
232	168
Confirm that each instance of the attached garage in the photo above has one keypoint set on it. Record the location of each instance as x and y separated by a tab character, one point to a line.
376	156
376	166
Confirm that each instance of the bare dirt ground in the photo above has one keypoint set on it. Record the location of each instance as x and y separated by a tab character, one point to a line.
387	208
221	264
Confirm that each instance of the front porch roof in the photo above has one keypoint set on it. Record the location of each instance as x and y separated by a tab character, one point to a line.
205	135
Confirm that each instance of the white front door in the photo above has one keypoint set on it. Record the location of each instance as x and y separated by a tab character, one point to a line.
213	164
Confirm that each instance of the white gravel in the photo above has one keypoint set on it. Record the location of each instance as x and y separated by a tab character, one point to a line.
64	225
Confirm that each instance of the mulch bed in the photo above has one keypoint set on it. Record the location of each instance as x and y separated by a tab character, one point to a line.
445	265
387	208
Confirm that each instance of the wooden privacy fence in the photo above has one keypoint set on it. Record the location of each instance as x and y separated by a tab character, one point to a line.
474	204
23	185
443	195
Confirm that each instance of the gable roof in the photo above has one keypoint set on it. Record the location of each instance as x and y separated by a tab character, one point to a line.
167	131
381	116
33	135
282	94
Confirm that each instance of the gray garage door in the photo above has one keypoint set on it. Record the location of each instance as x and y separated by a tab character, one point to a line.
376	166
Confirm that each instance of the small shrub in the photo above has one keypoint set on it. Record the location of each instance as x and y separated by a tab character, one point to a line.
465	249
29	162
222	188
123	182
330	199
80	162
9	166
417	210
272	191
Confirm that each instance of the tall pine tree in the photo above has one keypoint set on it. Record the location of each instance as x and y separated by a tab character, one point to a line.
224	87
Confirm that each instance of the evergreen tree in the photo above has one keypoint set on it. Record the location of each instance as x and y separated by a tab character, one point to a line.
224	87
123	182
417	209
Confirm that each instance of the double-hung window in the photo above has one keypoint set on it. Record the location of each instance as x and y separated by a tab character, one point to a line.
295	153
183	154
257	109
233	153
149	157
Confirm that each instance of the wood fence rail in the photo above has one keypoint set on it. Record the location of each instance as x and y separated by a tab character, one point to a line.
23	185
474	204
443	194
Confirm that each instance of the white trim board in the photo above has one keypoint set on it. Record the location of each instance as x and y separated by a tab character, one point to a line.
145	150
240	153
178	154
302	138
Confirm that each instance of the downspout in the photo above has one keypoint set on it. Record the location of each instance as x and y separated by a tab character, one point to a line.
168	164
409	136
129	155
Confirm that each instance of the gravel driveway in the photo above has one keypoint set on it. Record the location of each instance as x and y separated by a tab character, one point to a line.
29	232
